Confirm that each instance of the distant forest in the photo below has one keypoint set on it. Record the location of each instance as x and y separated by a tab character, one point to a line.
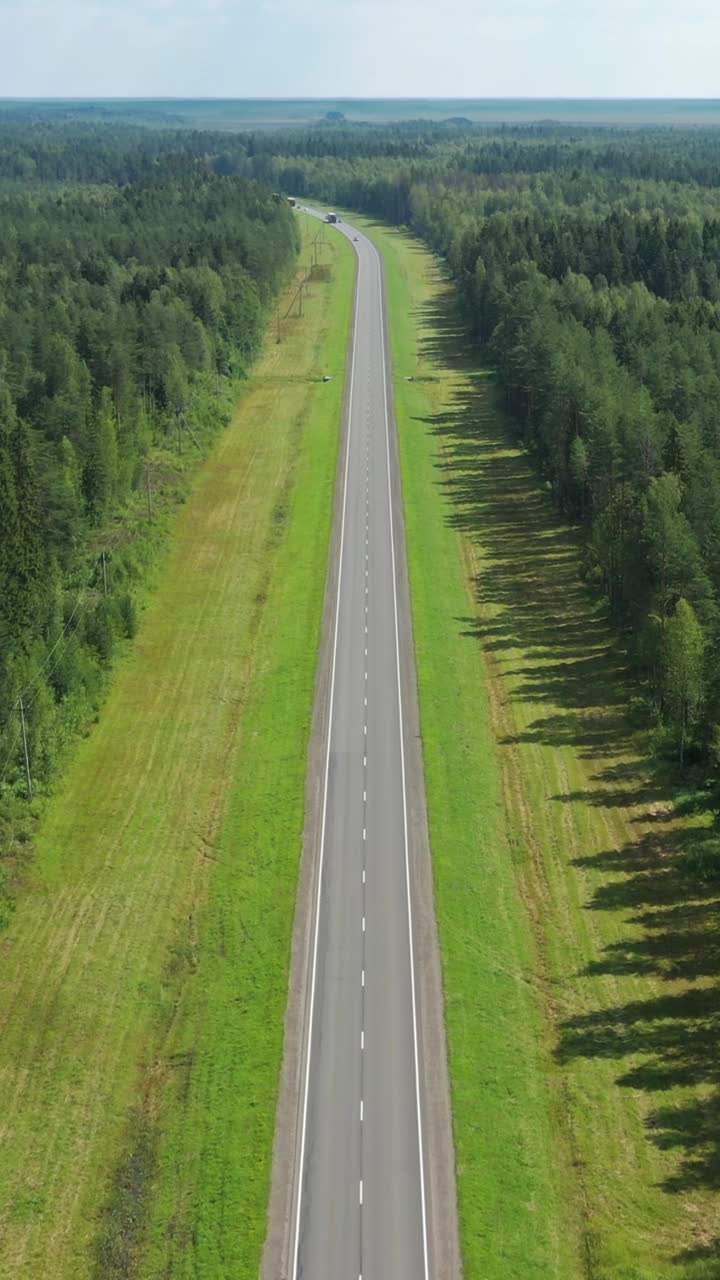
134	285
137	265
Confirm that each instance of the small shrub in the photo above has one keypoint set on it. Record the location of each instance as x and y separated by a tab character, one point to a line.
99	632
703	859
128	615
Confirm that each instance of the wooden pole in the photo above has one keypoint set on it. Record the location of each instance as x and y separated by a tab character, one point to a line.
25	746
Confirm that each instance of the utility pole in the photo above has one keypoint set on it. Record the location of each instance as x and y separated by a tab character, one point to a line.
278	324
179	431
104	572
149	495
193	437
25	747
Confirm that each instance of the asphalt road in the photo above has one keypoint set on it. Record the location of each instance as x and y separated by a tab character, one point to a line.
360	1199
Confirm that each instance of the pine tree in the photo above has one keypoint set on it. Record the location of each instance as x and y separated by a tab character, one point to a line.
683	670
672	549
101	459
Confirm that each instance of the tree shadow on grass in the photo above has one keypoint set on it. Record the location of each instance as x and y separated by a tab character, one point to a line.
670	1040
529	593
532	601
702	1263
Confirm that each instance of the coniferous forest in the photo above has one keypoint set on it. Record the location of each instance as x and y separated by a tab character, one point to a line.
588	266
569	326
134	284
136	266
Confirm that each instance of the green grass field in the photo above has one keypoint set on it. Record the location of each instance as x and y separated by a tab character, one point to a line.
579	959
143	978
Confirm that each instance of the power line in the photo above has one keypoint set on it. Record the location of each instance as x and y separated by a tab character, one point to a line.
42	667
22	705
25	748
11	752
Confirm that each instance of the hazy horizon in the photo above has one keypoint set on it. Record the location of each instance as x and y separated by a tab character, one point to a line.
333	98
234	114
499	49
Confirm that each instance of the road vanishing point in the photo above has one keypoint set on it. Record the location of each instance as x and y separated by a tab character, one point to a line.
359	1200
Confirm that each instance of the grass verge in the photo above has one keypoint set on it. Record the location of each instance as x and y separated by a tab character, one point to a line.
144	975
581	1000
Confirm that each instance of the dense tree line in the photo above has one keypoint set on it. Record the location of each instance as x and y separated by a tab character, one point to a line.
589	265
37	147
125	306
135	265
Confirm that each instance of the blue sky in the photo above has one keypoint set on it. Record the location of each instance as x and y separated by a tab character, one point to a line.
289	48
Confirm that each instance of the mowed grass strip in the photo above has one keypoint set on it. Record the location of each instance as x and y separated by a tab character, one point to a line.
581	999
143	979
209	1214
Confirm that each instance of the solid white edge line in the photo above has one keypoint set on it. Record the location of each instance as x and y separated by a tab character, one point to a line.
404	792
301	1163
